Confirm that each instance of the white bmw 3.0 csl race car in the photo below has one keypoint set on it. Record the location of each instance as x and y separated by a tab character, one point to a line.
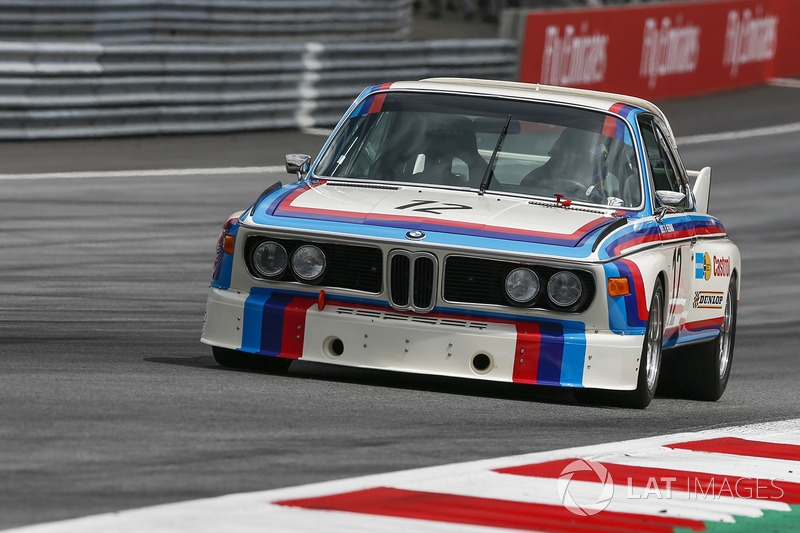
486	230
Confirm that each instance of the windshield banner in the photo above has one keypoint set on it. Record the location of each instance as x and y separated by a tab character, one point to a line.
664	50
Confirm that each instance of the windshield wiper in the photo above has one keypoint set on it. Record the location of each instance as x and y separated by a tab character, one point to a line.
487	176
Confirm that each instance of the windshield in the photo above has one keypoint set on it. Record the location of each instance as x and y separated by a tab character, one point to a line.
448	140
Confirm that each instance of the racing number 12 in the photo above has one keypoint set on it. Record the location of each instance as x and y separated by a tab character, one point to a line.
677	268
431	206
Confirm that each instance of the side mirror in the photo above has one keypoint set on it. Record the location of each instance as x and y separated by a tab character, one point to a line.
671	201
671	198
298	164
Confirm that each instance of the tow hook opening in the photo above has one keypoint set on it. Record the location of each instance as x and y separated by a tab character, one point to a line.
482	363
334	347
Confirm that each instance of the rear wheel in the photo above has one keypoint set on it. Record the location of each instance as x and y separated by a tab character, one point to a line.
702	371
650	360
236	359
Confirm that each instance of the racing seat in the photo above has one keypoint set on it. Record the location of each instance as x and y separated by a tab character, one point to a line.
449	154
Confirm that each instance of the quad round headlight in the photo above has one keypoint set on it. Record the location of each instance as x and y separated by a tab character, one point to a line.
564	288
308	262
522	285
270	259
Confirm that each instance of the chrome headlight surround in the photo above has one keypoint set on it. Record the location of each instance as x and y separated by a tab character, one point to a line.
521	286
270	259
308	262
564	288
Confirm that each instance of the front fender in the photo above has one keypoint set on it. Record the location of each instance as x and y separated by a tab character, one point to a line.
629	314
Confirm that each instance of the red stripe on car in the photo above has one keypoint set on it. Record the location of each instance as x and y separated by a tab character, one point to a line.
638	284
294	326
526	356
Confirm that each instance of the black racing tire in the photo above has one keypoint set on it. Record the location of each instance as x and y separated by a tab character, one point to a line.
247	361
702	371
652	351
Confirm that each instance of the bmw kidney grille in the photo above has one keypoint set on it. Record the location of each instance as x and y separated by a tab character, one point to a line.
412	280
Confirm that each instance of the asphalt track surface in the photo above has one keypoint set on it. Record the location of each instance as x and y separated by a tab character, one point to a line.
108	401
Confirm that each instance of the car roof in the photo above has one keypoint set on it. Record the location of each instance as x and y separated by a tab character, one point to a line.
598	100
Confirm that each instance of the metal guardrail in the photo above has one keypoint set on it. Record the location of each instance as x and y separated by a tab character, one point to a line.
62	90
204	20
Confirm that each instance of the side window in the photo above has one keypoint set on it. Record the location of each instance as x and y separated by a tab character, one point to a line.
649	137
663	167
669	163
677	178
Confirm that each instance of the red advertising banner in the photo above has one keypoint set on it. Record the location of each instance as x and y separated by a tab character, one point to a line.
666	49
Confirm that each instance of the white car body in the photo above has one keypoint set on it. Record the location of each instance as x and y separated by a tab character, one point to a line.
462	235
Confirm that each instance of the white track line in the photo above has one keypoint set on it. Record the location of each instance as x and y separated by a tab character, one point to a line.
792	83
322	132
157	173
741	134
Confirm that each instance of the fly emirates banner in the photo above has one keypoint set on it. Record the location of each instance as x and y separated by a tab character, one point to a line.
666	49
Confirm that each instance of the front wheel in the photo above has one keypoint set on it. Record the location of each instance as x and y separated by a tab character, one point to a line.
649	364
650	360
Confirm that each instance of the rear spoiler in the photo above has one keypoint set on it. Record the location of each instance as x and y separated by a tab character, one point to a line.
701	188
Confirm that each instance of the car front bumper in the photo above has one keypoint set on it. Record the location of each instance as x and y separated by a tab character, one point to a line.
479	346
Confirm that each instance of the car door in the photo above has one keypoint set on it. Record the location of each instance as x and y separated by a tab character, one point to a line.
711	267
677	233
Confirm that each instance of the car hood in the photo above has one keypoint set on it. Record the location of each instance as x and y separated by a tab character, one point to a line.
439	211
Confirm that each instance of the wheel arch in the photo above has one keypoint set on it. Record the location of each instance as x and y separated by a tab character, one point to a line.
663	278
